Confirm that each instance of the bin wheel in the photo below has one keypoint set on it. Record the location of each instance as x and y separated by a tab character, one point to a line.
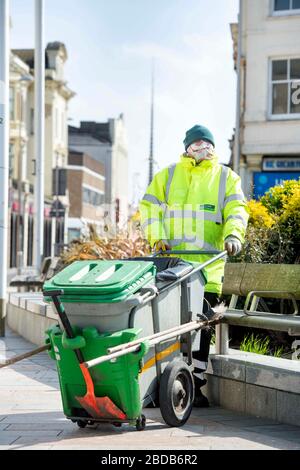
81	424
141	423
117	425
176	393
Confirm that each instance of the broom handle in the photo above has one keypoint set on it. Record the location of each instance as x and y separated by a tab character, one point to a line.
64	319
15	359
153	340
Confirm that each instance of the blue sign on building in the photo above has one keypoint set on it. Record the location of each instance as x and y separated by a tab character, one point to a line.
265	180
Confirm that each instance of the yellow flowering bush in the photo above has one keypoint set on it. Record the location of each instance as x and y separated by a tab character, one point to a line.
291	204
273	234
278	197
290	217
259	215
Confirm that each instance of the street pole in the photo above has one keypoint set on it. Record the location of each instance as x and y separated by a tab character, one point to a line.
151	127
57	240
39	126
237	139
4	159
21	180
19	225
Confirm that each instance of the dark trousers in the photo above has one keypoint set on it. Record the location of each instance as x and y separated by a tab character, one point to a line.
200	357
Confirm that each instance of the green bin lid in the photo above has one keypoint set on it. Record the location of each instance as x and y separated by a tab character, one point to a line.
99	277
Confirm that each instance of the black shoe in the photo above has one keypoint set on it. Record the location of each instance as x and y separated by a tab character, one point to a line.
198	384
200	401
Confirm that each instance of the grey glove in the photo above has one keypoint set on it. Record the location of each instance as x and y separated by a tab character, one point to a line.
233	245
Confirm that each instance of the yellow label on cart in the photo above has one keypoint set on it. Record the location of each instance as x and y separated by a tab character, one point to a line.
160	356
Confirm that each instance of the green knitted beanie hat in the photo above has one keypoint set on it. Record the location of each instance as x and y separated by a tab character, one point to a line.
198	133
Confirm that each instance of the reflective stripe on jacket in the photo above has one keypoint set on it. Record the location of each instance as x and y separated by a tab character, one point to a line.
195	207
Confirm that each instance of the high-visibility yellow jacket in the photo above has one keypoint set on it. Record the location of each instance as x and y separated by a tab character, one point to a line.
195	207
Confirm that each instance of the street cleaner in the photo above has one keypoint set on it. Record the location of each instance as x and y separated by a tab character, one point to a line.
197	204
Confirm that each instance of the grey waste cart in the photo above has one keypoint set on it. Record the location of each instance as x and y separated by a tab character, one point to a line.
120	294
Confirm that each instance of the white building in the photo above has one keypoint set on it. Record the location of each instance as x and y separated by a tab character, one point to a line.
270	92
20	193
22	157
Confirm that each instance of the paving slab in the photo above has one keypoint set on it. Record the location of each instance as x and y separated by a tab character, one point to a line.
21	447
8	438
4	426
31	417
245	421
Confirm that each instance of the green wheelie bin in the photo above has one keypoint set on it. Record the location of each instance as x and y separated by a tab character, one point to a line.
117	380
98	298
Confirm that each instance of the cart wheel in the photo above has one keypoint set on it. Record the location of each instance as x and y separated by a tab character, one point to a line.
176	393
141	423
81	424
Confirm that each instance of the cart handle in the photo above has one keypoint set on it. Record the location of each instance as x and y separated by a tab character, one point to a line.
221	254
147	294
188	252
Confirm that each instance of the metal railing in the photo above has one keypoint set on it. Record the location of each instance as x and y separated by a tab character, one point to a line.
250	317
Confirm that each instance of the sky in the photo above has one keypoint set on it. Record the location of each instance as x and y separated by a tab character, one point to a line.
110	48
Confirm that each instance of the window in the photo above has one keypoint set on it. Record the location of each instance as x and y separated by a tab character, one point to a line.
59	181
285	88
73	233
21	106
62	127
91	197
31	121
287	6
56	123
30	243
11	103
11	159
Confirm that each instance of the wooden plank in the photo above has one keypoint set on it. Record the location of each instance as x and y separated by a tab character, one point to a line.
233	276
274	277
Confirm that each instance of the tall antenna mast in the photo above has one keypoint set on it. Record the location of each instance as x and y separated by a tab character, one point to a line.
151	160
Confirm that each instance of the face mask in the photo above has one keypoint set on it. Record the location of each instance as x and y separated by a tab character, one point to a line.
199	152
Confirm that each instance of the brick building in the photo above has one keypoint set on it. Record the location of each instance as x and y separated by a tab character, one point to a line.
106	142
86	189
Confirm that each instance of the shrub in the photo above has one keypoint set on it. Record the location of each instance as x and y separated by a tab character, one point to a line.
289	219
275	199
259	215
273	233
119	246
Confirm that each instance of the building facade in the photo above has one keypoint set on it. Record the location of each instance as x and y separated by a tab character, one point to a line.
86	189
270	93
22	157
107	144
20	192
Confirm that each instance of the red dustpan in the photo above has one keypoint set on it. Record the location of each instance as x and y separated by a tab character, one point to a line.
97	407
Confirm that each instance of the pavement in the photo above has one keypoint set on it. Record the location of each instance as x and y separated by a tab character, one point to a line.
31	417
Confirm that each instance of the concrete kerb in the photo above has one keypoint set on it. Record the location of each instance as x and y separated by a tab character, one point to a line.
258	385
30	316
